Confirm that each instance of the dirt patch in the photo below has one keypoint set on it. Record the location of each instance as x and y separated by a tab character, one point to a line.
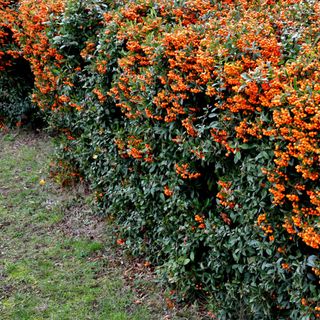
4	224
4	191
79	222
73	226
19	138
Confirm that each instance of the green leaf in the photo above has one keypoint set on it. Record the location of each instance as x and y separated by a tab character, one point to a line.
186	261
192	256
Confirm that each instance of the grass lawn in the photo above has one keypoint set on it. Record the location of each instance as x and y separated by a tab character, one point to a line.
56	258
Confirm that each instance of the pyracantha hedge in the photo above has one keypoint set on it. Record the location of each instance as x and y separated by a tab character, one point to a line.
197	124
16	78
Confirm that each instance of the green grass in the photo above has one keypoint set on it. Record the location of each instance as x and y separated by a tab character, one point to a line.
55	259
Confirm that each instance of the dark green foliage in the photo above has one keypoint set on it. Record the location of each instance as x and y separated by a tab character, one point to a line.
16	84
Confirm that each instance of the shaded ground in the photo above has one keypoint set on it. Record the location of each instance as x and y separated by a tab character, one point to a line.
56	258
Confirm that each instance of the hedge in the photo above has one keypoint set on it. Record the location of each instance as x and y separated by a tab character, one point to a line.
16	81
197	125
